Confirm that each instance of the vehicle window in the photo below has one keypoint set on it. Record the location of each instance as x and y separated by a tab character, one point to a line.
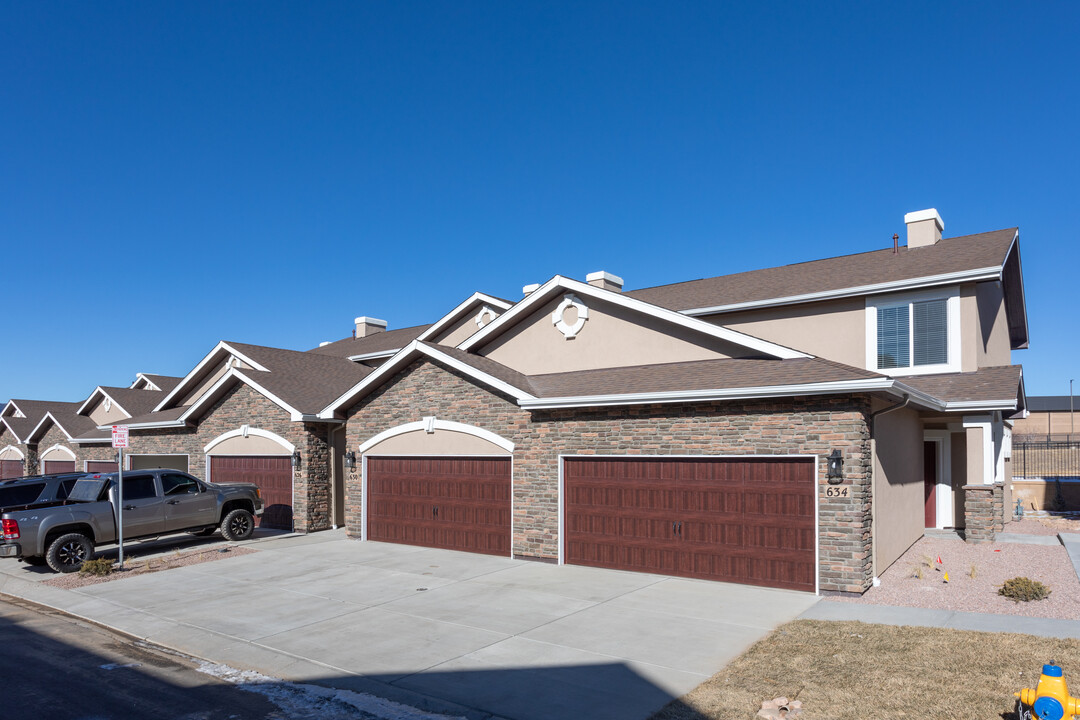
138	487
20	494
65	488
179	485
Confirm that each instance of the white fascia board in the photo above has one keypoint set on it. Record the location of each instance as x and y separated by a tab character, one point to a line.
48	416
457	313
254	365
147	425
182	385
374	355
558	283
90	441
87	402
407	354
469	370
829	388
397	360
987	273
980	405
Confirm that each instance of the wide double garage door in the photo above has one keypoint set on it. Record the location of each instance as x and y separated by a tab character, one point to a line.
744	520
273	475
456	503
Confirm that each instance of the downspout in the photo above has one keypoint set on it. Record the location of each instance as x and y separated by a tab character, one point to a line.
873	478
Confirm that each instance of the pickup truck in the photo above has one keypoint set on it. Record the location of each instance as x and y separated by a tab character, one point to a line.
20	493
156	502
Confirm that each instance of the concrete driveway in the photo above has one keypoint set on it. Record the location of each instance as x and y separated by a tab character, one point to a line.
448	632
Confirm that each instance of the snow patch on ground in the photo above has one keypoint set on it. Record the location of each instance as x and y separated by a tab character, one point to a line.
300	701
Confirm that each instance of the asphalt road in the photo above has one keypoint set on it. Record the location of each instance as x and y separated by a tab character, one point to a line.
54	667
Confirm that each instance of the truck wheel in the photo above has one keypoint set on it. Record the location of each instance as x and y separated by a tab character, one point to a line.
67	553
238	525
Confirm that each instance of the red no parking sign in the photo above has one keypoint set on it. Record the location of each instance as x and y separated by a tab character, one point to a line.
119	436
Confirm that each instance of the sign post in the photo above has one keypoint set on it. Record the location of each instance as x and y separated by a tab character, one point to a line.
120	441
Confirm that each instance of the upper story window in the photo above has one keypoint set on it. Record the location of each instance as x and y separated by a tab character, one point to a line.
914	334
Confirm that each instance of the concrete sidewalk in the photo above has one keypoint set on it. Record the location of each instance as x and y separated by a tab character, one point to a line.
923	617
456	633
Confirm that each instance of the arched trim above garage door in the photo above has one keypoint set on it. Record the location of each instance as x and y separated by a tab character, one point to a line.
430	432
249	441
11	453
51	453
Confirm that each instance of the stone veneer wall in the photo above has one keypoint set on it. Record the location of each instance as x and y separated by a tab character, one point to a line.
243	406
29	451
812	426
55	436
984	512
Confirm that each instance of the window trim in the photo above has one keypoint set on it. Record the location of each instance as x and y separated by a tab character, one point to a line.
952	315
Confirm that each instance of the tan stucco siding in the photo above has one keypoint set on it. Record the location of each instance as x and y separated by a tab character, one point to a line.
212	377
611	337
440	442
835	330
1043	495
898	485
993	346
250	445
464	328
101	416
10	453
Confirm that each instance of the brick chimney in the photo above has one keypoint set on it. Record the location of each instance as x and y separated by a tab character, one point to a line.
605	280
923	228
368	326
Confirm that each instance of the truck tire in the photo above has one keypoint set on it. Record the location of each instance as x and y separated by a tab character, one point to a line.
238	525
67	553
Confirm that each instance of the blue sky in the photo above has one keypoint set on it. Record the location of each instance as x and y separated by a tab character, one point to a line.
174	174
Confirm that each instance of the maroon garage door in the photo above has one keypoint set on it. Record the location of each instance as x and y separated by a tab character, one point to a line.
10	469
58	466
738	520
101	466
273	475
456	503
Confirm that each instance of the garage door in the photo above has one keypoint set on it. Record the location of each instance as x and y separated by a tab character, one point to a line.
739	520
273	475
101	466
457	503
149	462
10	469
58	466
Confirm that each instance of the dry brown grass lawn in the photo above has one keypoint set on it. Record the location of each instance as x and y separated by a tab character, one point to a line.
855	671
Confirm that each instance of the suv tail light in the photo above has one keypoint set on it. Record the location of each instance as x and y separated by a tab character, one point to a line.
11	529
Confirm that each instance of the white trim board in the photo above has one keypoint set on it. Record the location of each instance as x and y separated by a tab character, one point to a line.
245	431
560	284
477	298
196	371
436	424
63	448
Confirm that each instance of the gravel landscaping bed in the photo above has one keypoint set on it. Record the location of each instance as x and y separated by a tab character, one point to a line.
975	574
135	566
1045	525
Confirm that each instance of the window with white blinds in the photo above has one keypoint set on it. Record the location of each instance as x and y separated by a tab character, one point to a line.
913	334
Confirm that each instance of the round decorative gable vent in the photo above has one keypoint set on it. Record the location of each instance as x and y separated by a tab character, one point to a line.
486	315
570	301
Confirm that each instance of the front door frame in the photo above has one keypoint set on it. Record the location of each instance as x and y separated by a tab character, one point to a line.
942	440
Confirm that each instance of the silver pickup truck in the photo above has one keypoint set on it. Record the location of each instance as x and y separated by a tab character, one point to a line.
156	502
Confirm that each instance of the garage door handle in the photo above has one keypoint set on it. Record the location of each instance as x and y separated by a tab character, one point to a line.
435	511
680	529
674	528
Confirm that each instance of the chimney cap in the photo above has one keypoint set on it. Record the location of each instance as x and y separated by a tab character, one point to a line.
605	276
324	343
920	215
365	320
530	288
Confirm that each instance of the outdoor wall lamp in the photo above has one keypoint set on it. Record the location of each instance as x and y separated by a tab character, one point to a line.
350	459
296	459
835	472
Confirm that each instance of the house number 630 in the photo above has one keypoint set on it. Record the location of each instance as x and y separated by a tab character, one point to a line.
836	492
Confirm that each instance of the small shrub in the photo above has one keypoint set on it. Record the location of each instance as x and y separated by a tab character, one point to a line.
99	566
917	571
1022	588
974	572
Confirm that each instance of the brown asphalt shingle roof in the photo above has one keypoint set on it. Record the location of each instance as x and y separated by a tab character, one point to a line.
490	367
379	342
34	411
948	255
135	402
990	383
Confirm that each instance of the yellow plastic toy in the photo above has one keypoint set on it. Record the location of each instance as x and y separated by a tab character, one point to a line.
1050	699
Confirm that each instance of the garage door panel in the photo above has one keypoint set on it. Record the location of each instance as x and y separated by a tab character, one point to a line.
273	476
444	502
10	469
739	520
58	466
101	466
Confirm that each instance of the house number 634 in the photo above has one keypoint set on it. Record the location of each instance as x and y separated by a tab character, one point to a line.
836	492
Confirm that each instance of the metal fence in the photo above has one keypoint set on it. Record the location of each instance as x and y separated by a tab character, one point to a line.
1046	459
